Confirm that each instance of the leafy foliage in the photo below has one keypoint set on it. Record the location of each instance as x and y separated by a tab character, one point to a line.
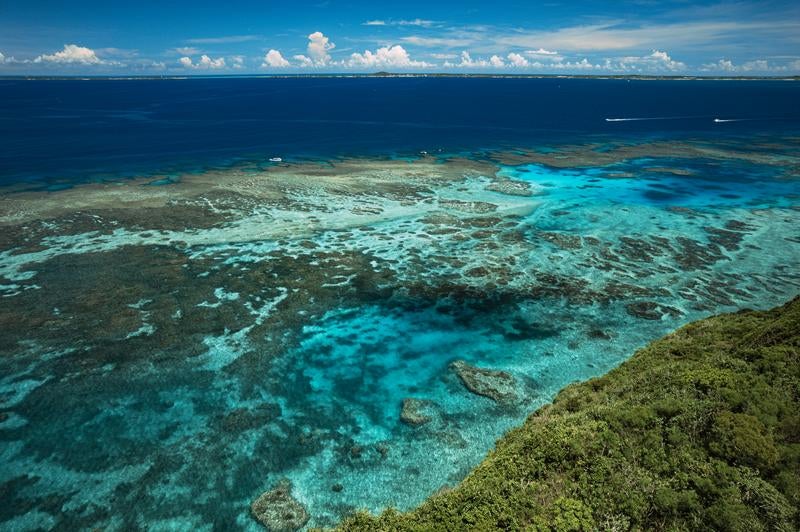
700	430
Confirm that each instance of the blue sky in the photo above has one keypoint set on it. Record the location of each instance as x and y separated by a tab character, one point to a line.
586	37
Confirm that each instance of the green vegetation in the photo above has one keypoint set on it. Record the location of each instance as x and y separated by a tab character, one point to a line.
698	431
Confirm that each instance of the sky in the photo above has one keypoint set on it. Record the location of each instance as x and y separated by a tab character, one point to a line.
174	37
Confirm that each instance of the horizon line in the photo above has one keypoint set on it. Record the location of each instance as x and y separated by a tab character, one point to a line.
794	77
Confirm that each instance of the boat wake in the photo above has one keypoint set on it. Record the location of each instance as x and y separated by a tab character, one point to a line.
638	119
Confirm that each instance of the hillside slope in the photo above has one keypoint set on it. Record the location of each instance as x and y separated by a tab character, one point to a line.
699	430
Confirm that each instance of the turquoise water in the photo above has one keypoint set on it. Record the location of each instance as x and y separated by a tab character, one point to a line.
163	375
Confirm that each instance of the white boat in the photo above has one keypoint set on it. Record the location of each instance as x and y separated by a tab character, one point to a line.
275	160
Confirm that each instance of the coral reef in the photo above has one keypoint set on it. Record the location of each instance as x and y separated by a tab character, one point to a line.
496	385
278	511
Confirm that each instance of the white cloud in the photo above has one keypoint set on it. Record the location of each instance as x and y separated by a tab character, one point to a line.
755	66
541	51
496	61
305	61
725	65
436	41
517	60
10	60
73	54
468	62
544	55
238	61
205	63
185	50
274	59
394	56
415	22
657	61
318	47
583	64
664	60
759	65
617	36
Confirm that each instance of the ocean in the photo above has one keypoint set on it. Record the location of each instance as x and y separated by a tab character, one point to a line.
349	288
73	130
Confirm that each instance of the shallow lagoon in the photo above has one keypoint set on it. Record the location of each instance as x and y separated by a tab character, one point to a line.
172	352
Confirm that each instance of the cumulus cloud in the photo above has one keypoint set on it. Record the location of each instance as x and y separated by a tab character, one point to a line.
9	60
496	61
205	63
72	54
517	60
755	66
725	65
656	61
468	62
274	59
318	47
388	56
663	59
303	60
583	64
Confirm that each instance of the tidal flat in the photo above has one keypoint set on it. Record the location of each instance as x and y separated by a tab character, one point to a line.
355	333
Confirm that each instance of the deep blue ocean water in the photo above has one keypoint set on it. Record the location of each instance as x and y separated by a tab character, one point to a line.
58	130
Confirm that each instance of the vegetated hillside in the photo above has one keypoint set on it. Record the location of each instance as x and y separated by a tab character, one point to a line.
698	431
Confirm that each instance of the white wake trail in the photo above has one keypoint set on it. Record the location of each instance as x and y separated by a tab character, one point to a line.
637	119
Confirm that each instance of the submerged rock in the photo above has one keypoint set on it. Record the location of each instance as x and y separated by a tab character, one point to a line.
416	412
650	310
497	385
599	334
278	511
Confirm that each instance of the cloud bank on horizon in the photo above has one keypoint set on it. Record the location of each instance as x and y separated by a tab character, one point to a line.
584	37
